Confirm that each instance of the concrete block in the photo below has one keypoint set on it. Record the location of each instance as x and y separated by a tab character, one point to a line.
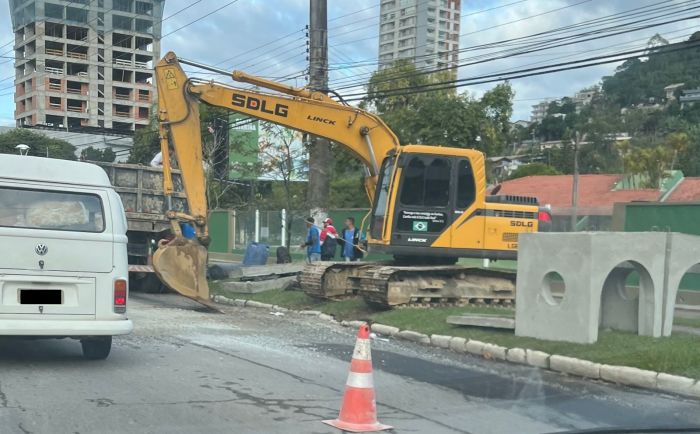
256	286
260	272
516	355
326	317
412	336
593	266
571	365
279	309
539	359
385	330
489	321
458	344
673	383
628	376
474	347
253	303
240	302
683	255
491	351
440	341
310	312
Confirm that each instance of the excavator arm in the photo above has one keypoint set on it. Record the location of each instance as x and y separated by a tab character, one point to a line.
181	264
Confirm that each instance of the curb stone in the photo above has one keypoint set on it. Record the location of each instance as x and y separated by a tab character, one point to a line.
309	312
624	375
412	336
474	347
385	330
440	341
674	383
628	376
258	304
516	355
572	365
353	324
458	344
694	390
494	352
538	359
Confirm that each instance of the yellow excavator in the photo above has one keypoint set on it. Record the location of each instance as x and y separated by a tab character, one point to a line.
429	204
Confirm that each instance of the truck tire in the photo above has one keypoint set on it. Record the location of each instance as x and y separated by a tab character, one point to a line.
97	348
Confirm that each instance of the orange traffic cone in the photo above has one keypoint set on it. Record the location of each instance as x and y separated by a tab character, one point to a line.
358	412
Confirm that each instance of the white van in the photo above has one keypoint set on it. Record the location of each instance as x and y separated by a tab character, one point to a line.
63	257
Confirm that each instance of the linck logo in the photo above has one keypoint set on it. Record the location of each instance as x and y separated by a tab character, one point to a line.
252	103
320	119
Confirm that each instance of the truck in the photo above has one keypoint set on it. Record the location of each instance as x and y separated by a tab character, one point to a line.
140	189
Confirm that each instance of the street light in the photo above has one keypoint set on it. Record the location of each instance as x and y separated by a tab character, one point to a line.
22	149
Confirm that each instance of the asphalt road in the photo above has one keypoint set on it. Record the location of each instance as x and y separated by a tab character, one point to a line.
185	371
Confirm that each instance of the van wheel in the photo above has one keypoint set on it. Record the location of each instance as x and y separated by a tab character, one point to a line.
97	348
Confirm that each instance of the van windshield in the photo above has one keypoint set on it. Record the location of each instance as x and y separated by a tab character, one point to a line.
54	210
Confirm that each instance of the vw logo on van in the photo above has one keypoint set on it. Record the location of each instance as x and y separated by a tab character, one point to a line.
41	249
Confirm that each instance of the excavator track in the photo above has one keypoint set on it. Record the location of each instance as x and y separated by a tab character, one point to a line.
330	280
389	286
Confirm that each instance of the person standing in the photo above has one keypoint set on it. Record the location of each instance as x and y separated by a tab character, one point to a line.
329	240
313	241
350	241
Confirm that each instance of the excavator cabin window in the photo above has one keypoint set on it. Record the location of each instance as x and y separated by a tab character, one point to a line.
466	188
426	182
382	195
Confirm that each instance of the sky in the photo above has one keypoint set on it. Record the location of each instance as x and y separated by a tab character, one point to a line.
266	38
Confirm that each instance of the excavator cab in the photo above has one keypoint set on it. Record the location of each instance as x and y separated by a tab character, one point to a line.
431	205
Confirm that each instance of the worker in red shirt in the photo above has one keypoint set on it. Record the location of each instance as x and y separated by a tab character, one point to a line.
329	240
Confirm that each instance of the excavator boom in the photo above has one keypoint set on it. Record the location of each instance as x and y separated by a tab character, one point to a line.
181	263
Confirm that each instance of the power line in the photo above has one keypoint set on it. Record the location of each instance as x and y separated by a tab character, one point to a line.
260	46
529	72
543	45
183	9
199	19
587	23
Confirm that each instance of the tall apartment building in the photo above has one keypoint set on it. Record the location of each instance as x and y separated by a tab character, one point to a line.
85	63
424	31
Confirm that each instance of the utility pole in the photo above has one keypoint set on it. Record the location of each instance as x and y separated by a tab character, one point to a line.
319	148
574	190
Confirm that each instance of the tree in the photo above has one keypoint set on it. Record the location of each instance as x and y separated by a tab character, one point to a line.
652	161
146	142
106	155
39	144
347	184
439	117
283	158
533	169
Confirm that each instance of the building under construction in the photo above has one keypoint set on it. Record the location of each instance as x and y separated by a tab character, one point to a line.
85	63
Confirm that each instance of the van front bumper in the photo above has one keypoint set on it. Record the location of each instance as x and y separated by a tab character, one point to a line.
64	328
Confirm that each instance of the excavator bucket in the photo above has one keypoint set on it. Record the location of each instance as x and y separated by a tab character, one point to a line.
182	265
